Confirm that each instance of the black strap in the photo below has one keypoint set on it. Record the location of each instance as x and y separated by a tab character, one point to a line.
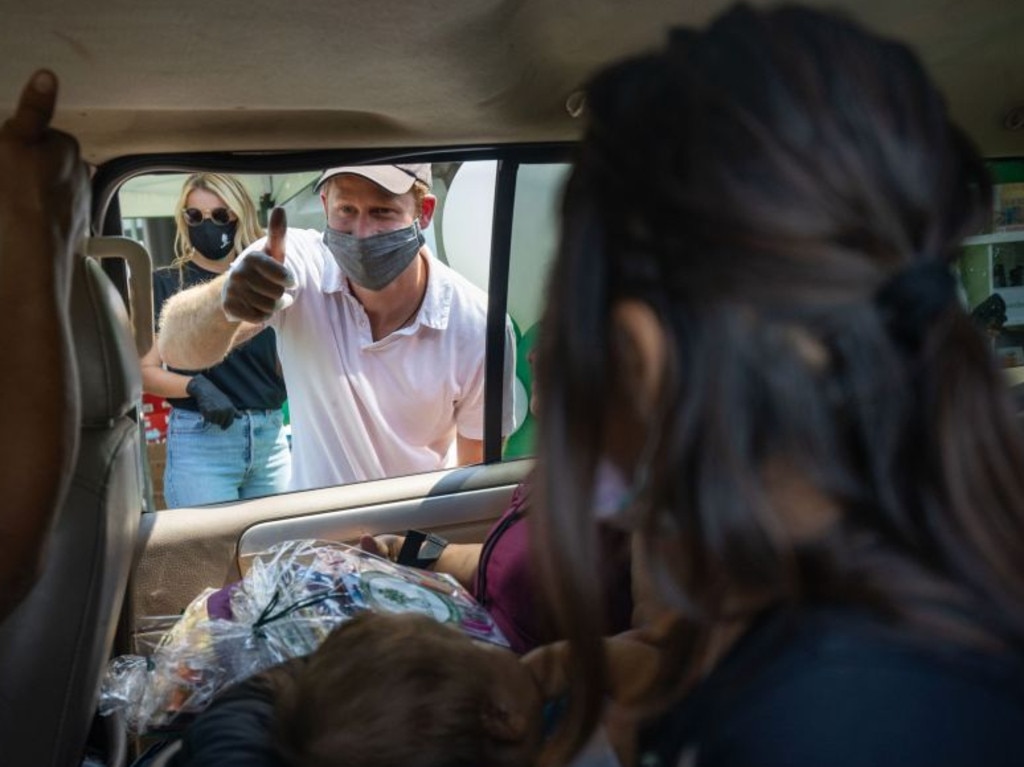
421	549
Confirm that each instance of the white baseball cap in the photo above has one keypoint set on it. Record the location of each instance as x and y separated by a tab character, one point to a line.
397	179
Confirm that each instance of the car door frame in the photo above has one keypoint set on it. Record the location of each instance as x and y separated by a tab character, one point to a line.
182	551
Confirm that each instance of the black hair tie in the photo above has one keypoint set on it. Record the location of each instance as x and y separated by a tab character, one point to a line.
911	300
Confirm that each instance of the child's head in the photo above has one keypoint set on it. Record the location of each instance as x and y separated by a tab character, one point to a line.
386	689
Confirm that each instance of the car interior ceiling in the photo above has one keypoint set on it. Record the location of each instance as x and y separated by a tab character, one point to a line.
409	75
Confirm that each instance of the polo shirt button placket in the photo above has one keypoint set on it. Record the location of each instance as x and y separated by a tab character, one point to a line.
363	332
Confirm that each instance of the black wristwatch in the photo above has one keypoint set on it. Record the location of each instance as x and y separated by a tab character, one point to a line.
421	549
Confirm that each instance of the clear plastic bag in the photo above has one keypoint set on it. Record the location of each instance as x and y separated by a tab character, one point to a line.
289	600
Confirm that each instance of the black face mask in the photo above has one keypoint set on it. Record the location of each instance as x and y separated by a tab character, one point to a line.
213	240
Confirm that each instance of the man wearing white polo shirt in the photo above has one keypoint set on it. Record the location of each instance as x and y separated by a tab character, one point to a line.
381	344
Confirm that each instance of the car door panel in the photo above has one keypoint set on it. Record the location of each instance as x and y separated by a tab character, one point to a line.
183	551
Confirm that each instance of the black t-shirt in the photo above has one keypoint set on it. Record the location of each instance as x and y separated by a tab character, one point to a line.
250	375
835	687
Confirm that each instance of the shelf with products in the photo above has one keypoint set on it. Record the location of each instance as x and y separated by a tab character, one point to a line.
993	263
999	259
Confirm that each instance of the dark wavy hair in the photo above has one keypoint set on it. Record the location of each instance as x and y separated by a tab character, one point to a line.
787	193
387	689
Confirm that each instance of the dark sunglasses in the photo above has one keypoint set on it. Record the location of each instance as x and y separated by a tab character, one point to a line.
219	216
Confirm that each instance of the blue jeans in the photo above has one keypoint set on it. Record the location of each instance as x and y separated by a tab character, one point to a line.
207	464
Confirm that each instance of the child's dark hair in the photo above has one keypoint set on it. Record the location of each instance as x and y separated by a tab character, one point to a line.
388	690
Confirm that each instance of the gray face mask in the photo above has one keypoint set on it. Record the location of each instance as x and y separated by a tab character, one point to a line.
373	262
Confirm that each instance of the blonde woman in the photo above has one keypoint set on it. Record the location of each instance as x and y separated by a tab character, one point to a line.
225	436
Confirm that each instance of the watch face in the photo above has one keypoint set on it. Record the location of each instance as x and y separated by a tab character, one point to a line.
392	594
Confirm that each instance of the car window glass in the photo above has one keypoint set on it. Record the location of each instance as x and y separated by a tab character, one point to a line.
991	270
534	241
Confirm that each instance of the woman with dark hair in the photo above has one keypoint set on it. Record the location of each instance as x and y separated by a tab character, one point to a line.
753	319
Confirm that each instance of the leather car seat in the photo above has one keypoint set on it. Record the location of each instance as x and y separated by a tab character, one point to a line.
55	645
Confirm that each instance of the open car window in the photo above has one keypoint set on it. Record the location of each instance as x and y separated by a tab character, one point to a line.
462	234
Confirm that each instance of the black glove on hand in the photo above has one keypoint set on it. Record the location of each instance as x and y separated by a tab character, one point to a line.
214	404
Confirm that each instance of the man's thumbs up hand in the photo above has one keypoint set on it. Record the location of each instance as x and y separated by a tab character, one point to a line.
255	286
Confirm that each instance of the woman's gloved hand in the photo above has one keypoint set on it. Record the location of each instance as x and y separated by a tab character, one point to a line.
215	406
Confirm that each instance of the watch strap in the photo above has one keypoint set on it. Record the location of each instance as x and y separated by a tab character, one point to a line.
421	549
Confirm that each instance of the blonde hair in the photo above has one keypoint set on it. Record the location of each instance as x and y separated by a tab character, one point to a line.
419	192
235	198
